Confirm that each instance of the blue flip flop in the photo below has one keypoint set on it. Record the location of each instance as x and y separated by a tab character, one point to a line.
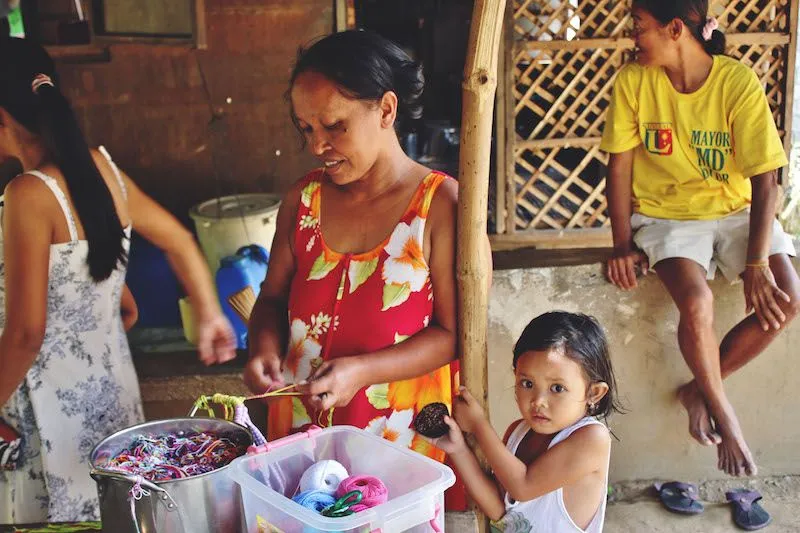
679	497
747	512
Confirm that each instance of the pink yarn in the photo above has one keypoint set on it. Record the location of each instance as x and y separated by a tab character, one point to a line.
373	490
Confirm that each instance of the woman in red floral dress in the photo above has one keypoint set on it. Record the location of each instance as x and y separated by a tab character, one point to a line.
359	305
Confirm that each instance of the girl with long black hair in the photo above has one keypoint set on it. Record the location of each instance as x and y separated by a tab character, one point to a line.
66	375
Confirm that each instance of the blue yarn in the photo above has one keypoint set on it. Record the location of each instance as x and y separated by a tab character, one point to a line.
316	500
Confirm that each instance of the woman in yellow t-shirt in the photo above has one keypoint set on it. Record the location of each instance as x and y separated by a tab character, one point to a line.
692	186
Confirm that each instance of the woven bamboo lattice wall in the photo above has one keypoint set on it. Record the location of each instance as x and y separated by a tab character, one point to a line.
563	61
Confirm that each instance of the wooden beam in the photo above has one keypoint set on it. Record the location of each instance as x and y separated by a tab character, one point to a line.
577	44
538	258
550	239
734	39
200	25
79	53
561	142
479	85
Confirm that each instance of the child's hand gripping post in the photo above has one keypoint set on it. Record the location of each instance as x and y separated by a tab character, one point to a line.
468	413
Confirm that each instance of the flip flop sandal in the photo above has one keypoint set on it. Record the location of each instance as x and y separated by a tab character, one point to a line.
679	497
747	512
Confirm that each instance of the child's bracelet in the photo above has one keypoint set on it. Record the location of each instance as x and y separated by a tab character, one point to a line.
762	263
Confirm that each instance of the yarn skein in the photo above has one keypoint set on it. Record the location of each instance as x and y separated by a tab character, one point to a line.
373	490
324	476
316	500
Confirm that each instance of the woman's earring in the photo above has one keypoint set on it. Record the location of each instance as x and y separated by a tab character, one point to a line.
591	408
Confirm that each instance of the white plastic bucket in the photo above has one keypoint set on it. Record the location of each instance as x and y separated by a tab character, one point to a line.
267	480
226	224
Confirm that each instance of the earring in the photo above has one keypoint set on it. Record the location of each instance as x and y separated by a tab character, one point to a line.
591	407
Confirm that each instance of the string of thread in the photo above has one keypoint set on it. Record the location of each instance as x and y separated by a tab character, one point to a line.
235	410
134	495
285	391
321	422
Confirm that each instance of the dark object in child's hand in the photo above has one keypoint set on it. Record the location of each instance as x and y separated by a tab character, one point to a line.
430	420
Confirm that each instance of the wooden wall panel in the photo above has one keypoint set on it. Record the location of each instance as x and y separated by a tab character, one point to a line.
150	108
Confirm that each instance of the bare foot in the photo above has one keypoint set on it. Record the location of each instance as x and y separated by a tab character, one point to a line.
733	453
700	425
735	459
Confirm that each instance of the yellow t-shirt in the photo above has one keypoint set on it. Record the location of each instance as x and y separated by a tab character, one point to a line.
693	153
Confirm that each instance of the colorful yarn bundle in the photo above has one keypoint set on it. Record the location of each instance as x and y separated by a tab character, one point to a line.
373	491
235	410
164	457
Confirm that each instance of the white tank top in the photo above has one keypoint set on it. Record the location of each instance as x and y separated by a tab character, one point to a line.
547	514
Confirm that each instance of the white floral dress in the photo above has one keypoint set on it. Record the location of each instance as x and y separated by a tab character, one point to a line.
81	388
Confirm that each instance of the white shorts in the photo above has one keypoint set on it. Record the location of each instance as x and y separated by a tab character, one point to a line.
709	243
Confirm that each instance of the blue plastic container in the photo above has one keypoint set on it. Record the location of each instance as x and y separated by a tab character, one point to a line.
248	267
153	285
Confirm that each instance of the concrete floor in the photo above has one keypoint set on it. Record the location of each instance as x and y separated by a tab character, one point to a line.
634	508
650	517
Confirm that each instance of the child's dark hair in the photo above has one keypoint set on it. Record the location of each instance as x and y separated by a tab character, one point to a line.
583	341
46	112
365	66
693	13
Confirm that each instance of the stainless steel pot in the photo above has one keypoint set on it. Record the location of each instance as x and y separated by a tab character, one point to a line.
208	503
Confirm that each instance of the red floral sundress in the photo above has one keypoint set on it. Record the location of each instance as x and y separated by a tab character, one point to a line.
351	304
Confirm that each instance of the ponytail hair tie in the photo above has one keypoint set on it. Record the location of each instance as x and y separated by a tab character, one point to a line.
39	80
708	29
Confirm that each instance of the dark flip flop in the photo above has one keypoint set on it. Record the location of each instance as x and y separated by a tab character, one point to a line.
679	497
747	513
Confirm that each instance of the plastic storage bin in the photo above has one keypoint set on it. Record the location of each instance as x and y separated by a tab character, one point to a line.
268	479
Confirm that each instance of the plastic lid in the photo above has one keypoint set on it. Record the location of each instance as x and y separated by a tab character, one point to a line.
240	205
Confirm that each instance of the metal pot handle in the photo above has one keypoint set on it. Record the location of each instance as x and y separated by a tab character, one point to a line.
164	495
97	473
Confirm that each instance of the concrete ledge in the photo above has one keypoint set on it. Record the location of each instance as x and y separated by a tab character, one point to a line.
641	326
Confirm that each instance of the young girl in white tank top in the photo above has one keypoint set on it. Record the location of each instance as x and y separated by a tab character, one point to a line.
551	470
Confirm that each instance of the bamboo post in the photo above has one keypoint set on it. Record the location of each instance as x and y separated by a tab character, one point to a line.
480	82
340	17
788	111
